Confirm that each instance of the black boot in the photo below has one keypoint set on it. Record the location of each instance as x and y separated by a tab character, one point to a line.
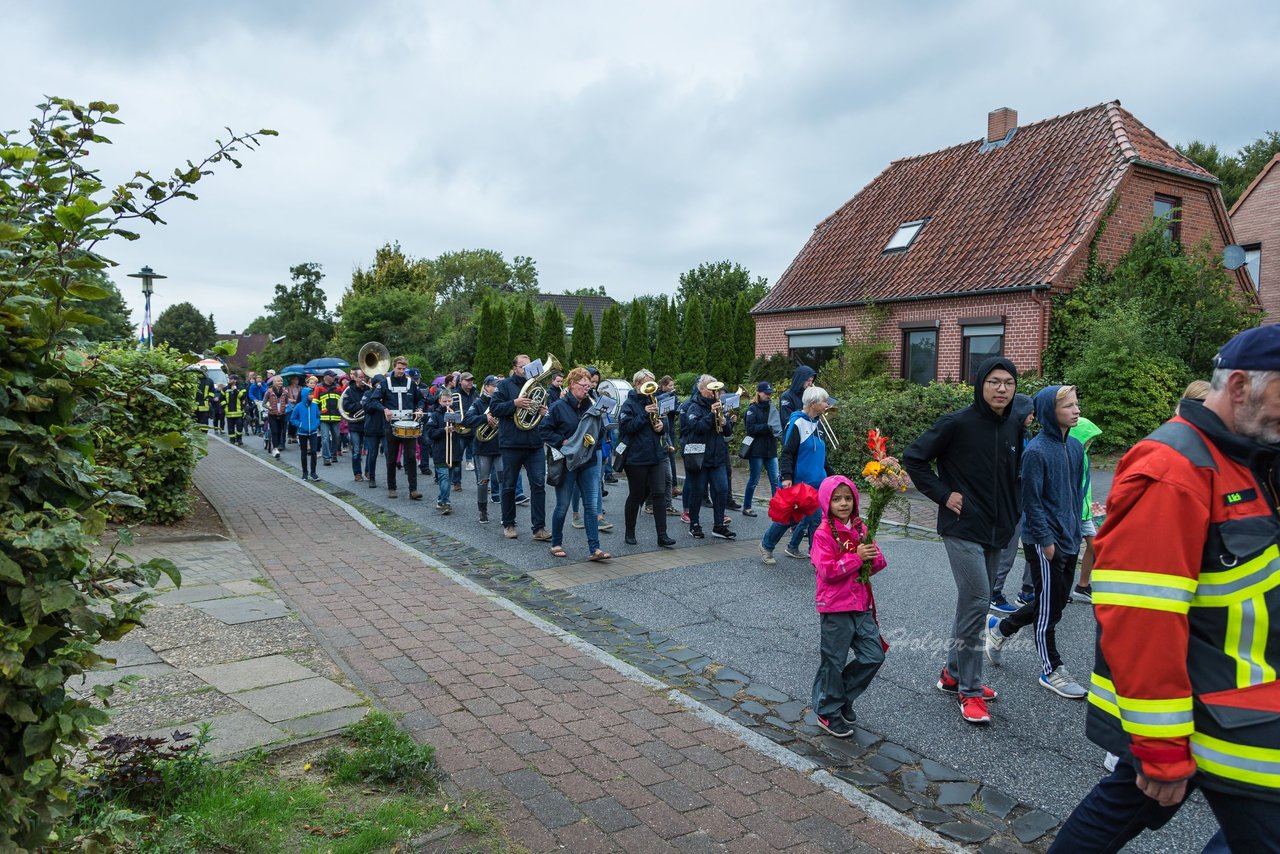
484	511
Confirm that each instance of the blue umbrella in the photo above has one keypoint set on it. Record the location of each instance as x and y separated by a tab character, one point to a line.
294	371
327	363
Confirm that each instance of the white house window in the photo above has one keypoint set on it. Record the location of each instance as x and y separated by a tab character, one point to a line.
814	347
906	233
1253	261
981	342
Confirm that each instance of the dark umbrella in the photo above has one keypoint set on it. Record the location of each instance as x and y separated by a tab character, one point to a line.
293	371
326	363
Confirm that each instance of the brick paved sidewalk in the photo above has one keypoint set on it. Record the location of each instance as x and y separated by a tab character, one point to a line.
587	754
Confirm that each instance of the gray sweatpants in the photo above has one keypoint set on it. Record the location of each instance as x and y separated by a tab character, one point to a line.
974	567
1010	555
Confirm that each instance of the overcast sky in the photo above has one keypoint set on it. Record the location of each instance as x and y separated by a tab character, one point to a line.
616	146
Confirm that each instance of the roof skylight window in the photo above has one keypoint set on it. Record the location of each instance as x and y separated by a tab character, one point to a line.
905	235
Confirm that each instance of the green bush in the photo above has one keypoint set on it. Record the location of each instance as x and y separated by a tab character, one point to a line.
777	369
685	383
1127	385
147	441
899	409
57	601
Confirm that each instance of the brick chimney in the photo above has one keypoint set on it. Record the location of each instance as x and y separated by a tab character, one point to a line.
1000	122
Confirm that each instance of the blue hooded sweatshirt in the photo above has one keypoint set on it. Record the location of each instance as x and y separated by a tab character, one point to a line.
1052	476
306	414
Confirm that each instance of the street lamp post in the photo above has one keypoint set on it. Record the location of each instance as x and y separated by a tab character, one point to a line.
148	276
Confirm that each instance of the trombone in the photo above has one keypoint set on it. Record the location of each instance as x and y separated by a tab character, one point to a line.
828	432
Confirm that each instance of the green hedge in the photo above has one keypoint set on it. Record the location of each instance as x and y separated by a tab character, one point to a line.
899	409
148	441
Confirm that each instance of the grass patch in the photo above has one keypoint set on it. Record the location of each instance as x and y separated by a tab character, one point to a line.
371	789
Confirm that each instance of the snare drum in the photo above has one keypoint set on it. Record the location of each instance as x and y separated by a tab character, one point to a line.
406	429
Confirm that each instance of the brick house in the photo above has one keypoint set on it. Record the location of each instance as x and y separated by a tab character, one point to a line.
1255	218
964	247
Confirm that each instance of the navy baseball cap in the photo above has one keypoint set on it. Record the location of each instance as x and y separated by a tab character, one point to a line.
1256	349
491	380
764	388
330	373
414	372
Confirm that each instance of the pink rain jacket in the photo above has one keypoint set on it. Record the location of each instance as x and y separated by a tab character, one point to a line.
837	567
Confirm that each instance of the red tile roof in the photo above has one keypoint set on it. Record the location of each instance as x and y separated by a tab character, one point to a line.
1009	217
1257	179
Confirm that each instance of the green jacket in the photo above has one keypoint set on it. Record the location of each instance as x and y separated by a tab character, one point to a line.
1084	432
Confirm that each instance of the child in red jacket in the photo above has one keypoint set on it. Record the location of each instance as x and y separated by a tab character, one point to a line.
844	601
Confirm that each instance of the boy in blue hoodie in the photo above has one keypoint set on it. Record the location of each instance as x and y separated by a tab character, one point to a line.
306	417
1052	477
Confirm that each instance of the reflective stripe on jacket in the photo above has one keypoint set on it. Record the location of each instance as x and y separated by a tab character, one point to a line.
1186	579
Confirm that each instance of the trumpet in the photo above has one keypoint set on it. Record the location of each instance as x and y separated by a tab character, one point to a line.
650	390
716	387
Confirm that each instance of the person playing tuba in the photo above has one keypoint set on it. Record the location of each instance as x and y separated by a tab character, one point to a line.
352	409
520	448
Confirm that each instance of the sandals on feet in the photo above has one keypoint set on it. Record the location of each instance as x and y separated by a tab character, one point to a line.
600	554
558	551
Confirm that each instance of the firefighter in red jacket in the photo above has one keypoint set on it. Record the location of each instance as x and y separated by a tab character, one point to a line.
1187	598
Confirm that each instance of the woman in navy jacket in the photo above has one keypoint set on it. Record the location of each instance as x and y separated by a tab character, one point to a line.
640	428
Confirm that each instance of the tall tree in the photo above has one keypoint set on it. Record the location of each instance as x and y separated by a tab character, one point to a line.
524	330
470	272
298	312
584	337
183	327
111	309
597	291
551	332
491	341
638	355
745	331
392	269
609	349
693	338
722	344
721	280
396	317
666	355
1235	171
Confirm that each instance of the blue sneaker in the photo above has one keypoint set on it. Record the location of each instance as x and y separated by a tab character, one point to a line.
1025	599
1000	605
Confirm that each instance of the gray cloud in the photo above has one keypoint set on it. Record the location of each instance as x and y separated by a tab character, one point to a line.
614	145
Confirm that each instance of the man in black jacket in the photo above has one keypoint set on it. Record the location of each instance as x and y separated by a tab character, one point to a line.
764	427
698	430
398	398
353	405
978	451
793	398
520	448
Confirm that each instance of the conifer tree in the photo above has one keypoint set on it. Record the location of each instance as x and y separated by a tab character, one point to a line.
745	327
666	356
584	338
637	355
524	330
551	334
491	341
721	344
693	338
609	349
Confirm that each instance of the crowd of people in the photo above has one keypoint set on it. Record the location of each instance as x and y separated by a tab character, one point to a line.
1182	576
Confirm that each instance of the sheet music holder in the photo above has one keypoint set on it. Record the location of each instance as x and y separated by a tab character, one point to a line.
730	401
533	369
666	403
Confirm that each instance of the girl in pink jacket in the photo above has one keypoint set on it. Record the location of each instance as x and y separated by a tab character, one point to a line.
844	602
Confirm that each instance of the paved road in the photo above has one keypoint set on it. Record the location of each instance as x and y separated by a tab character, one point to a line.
761	622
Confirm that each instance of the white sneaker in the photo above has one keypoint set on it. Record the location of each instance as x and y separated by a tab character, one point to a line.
766	557
995	641
470	466
1061	683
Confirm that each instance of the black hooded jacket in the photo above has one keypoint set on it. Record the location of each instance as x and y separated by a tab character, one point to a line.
793	398
978	454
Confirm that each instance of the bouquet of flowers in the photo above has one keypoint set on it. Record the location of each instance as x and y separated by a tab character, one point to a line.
885	479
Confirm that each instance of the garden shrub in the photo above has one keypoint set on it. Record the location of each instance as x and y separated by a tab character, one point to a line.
148	440
899	409
57	601
685	383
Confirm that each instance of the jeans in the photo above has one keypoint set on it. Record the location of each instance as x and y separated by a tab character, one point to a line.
1052	580
973	566
586	482
357	448
644	482
309	445
444	484
718	478
1115	811
373	443
838	684
277	423
805	527
770	466
534	462
329	440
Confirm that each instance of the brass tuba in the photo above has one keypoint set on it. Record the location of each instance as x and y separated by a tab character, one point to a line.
535	388
486	431
650	390
374	359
